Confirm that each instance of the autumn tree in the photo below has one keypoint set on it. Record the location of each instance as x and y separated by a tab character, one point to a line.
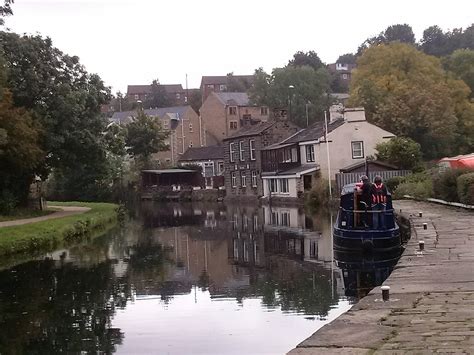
408	93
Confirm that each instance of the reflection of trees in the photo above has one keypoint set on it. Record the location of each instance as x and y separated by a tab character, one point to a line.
48	309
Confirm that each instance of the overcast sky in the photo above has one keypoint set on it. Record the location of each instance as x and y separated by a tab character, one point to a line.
135	41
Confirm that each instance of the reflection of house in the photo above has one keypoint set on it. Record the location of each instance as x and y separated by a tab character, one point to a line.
211	161
224	83
181	121
174	93
242	160
224	113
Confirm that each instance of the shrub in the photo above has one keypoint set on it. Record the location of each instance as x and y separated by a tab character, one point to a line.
8	202
419	189
445	184
465	185
393	182
319	194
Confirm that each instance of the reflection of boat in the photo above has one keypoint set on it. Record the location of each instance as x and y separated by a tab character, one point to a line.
361	273
354	230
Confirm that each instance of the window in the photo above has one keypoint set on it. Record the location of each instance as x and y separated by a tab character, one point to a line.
310	153
137	97
241	150
274	218
178	96
255	223
165	125
220	167
284	186
190	144
264	111
233	179
231	152
190	127
222	87
210	86
285	219
357	150
252	149
243	179
233	124
254	179
272	183
232	110
344	76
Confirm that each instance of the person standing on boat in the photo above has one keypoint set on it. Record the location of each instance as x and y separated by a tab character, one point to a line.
379	202
365	199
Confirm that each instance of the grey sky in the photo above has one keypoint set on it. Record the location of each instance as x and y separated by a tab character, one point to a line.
133	42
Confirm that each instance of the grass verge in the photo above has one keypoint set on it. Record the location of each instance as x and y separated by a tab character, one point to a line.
53	234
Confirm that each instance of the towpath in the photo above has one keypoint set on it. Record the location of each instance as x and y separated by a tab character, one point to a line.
64	212
431	306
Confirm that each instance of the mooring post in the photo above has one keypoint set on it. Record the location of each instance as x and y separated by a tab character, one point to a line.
385	293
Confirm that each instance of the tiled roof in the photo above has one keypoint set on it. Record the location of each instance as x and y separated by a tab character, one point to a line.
314	132
203	153
124	117
146	89
222	79
252	130
233	98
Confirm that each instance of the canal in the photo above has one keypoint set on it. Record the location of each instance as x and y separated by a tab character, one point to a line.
181	279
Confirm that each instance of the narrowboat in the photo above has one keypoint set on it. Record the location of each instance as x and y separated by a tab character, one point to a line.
354	228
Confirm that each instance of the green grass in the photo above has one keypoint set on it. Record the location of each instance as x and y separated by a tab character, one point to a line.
51	234
26	213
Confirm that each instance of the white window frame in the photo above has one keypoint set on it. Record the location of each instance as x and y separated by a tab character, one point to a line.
309	150
254	178
243	179
231	152
231	123
233	179
360	149
220	167
272	186
252	149
241	150
284	186
190	127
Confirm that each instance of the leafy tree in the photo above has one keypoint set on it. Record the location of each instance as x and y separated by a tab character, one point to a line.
235	84
295	86
409	94
348	58
438	43
5	10
310	59
401	33
402	152
122	103
461	64
159	97
145	136
195	100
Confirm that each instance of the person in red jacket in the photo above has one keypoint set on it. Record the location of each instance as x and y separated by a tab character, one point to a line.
379	202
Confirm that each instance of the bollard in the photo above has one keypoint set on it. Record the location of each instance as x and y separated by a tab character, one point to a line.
425	225
420	214
421	245
385	292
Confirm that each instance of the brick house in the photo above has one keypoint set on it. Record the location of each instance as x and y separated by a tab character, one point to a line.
242	159
222	83
183	124
224	113
174	92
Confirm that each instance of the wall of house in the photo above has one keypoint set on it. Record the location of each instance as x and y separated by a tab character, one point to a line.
293	186
214	121
340	148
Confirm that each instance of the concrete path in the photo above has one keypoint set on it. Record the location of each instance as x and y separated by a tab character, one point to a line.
65	211
431	307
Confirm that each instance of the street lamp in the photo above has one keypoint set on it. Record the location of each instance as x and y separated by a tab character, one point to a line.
290	94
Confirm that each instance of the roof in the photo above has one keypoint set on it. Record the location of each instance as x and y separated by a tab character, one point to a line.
314	132
222	79
124	116
233	98
278	146
169	171
354	166
213	152
146	89
252	130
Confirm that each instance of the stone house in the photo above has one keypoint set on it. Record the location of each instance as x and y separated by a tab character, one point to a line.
222	83
242	160
224	113
211	161
184	126
343	73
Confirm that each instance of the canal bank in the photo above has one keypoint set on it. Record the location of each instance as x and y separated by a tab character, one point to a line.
431	306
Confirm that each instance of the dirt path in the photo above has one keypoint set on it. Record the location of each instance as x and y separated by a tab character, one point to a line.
65	211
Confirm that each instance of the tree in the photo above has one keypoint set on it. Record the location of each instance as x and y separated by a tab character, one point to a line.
438	43
408	93
310	59
461	64
402	152
401	33
298	86
5	10
145	137
159	97
236	84
195	99
348	58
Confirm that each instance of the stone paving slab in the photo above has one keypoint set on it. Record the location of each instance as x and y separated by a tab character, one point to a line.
431	307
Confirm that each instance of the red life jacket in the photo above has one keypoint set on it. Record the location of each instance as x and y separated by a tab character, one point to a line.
378	195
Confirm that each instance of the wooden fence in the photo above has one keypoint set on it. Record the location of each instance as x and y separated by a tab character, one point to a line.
350	178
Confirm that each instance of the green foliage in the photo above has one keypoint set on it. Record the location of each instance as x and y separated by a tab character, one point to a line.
309	86
195	100
318	196
445	185
418	189
438	43
145	136
159	97
408	93
8	202
235	84
310	59
402	152
461	64
392	183
5	10
348	58
395	33
465	184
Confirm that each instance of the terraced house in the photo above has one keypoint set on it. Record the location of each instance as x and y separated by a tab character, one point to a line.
242	160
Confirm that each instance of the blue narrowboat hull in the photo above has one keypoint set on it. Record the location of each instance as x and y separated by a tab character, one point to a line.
366	240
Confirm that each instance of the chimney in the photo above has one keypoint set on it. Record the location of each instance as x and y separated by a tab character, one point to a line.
354	114
279	114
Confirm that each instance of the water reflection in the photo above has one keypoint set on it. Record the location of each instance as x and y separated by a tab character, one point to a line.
179	279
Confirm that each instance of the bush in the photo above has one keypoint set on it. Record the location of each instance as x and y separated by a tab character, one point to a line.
445	185
465	185
393	182
8	203
419	189
319	194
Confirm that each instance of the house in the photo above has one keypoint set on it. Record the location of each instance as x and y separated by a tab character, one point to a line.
343	73
290	166
224	83
211	161
242	161
183	124
224	113
174	93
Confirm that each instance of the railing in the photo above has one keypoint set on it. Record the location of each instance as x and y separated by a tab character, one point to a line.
366	219
350	178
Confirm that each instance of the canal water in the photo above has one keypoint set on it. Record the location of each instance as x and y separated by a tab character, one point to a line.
181	279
